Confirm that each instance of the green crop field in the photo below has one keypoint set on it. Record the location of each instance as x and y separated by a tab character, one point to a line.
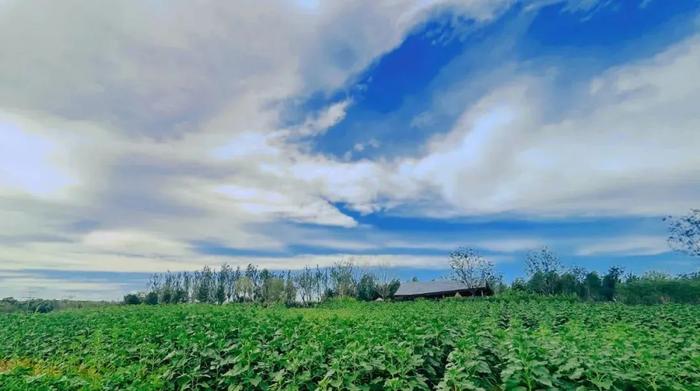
449	345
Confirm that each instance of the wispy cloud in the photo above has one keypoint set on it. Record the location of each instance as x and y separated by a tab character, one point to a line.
626	246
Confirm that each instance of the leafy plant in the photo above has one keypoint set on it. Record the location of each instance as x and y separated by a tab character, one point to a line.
515	343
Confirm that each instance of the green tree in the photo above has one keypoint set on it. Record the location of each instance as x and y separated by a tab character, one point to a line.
151	298
366	288
273	290
568	284
538	283
610	282
519	284
592	286
543	266
342	275
290	291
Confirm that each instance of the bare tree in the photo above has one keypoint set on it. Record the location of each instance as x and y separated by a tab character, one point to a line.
343	278
322	285
542	261
471	268
231	278
386	285
290	291
684	232
544	267
245	289
306	283
221	278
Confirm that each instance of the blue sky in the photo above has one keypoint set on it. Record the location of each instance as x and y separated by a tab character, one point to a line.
150	136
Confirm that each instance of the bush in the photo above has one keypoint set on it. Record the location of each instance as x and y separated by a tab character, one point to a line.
515	295
660	291
39	306
132	299
338	302
151	298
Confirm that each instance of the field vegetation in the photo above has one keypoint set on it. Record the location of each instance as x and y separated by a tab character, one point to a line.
10	304
512	341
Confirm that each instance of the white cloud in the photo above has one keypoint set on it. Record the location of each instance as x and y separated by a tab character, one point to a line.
630	148
163	70
321	122
29	285
503	245
625	245
155	125
276	205
511	244
31	162
66	258
137	128
131	242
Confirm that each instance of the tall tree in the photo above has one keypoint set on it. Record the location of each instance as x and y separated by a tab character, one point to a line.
290	291
543	266
343	277
245	289
592	286
221	278
543	260
253	275
469	267
306	282
610	282
205	285
366	288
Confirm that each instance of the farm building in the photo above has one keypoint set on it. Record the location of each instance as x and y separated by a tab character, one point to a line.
438	289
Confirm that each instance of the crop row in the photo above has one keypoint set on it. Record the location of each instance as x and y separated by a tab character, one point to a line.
449	345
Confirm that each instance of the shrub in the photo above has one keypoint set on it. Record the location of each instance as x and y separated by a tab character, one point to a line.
151	298
132	299
660	291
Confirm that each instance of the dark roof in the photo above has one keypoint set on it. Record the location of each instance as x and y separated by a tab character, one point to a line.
424	288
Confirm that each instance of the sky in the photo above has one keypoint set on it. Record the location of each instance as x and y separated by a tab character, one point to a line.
144	136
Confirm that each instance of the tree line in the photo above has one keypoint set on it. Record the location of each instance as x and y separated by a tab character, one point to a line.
545	276
41	306
260	285
548	277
